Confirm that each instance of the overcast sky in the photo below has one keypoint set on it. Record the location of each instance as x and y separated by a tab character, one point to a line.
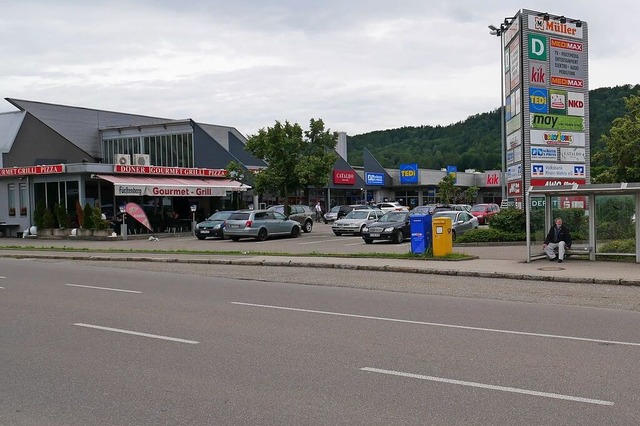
360	65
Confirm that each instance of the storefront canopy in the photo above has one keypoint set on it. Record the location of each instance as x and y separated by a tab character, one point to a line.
158	186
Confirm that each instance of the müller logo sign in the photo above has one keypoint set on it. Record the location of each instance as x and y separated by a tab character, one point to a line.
32	170
169	171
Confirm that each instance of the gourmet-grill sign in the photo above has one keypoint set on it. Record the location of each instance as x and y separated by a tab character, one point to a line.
344	177
168	191
169	171
32	170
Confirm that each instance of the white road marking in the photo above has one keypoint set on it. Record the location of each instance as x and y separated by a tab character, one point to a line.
104	288
491	387
2	288
435	324
356	244
137	333
319	242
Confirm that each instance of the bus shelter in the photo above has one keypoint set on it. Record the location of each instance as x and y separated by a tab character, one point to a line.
601	218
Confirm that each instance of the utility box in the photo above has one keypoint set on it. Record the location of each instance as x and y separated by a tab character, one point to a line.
442	236
420	233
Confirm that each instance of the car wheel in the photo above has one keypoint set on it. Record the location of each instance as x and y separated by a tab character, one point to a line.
308	226
453	235
235	238
295	232
262	234
361	229
338	234
398	237
200	237
368	240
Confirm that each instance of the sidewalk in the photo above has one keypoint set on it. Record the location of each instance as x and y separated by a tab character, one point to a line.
491	262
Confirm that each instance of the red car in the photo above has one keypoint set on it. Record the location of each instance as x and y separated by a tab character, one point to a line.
484	212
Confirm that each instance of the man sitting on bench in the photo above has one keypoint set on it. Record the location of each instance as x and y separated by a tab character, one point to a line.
558	237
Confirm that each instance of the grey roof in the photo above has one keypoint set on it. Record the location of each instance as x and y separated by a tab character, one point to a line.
9	125
233	142
80	125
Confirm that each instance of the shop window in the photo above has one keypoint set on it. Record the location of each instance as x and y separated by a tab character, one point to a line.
12	199
22	195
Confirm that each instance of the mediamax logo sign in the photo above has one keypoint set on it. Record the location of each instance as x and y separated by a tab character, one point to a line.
409	173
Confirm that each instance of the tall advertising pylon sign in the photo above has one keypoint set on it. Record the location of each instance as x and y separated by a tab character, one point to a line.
546	81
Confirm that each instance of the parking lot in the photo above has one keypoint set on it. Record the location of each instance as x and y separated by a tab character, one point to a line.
320	240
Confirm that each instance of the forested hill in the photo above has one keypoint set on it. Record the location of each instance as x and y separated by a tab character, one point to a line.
475	142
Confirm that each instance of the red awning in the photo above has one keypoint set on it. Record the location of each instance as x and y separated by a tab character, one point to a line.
159	186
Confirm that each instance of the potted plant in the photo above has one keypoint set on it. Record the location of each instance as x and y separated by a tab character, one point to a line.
38	215
102	226
63	220
87	224
48	223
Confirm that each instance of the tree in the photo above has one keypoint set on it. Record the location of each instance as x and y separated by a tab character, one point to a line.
447	189
296	159
621	154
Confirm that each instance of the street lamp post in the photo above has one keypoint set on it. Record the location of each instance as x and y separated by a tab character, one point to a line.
493	30
123	227
193	208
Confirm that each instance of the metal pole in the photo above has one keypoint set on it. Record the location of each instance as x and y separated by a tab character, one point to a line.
503	142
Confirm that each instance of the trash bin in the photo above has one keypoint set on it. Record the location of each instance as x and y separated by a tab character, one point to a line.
420	233
442	236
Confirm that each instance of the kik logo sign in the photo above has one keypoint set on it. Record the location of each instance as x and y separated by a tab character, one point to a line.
537	47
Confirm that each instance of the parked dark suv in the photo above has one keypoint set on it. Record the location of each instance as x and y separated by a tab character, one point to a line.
300	213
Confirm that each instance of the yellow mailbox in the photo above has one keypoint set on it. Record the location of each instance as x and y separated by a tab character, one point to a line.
442	236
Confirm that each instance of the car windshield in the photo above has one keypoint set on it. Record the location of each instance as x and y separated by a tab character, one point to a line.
239	216
393	217
451	215
335	209
478	208
357	214
220	216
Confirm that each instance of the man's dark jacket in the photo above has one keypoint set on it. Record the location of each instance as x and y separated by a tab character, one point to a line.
562	235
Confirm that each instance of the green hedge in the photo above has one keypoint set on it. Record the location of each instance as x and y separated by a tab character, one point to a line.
484	235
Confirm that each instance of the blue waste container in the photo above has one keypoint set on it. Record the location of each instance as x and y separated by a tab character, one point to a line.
421	233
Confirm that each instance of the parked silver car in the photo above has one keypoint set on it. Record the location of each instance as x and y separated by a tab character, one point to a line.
259	224
461	221
355	221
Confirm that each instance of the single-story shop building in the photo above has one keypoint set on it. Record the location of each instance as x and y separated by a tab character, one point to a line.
58	154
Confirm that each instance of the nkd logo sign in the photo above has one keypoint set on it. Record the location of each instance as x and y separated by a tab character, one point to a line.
409	173
575	104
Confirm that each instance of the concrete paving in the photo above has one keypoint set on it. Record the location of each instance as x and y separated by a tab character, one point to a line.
489	262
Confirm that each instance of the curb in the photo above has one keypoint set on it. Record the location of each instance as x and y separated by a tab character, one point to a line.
292	263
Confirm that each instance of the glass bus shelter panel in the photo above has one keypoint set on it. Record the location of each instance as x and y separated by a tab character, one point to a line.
615	224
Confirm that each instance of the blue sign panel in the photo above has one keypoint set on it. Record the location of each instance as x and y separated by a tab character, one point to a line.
374	178
538	100
409	173
453	170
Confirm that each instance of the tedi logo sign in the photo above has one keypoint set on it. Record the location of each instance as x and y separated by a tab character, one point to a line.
538	100
409	173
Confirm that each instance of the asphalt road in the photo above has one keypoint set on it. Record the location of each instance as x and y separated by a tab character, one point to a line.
83	344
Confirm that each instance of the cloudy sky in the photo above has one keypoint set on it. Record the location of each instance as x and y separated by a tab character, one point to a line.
360	65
